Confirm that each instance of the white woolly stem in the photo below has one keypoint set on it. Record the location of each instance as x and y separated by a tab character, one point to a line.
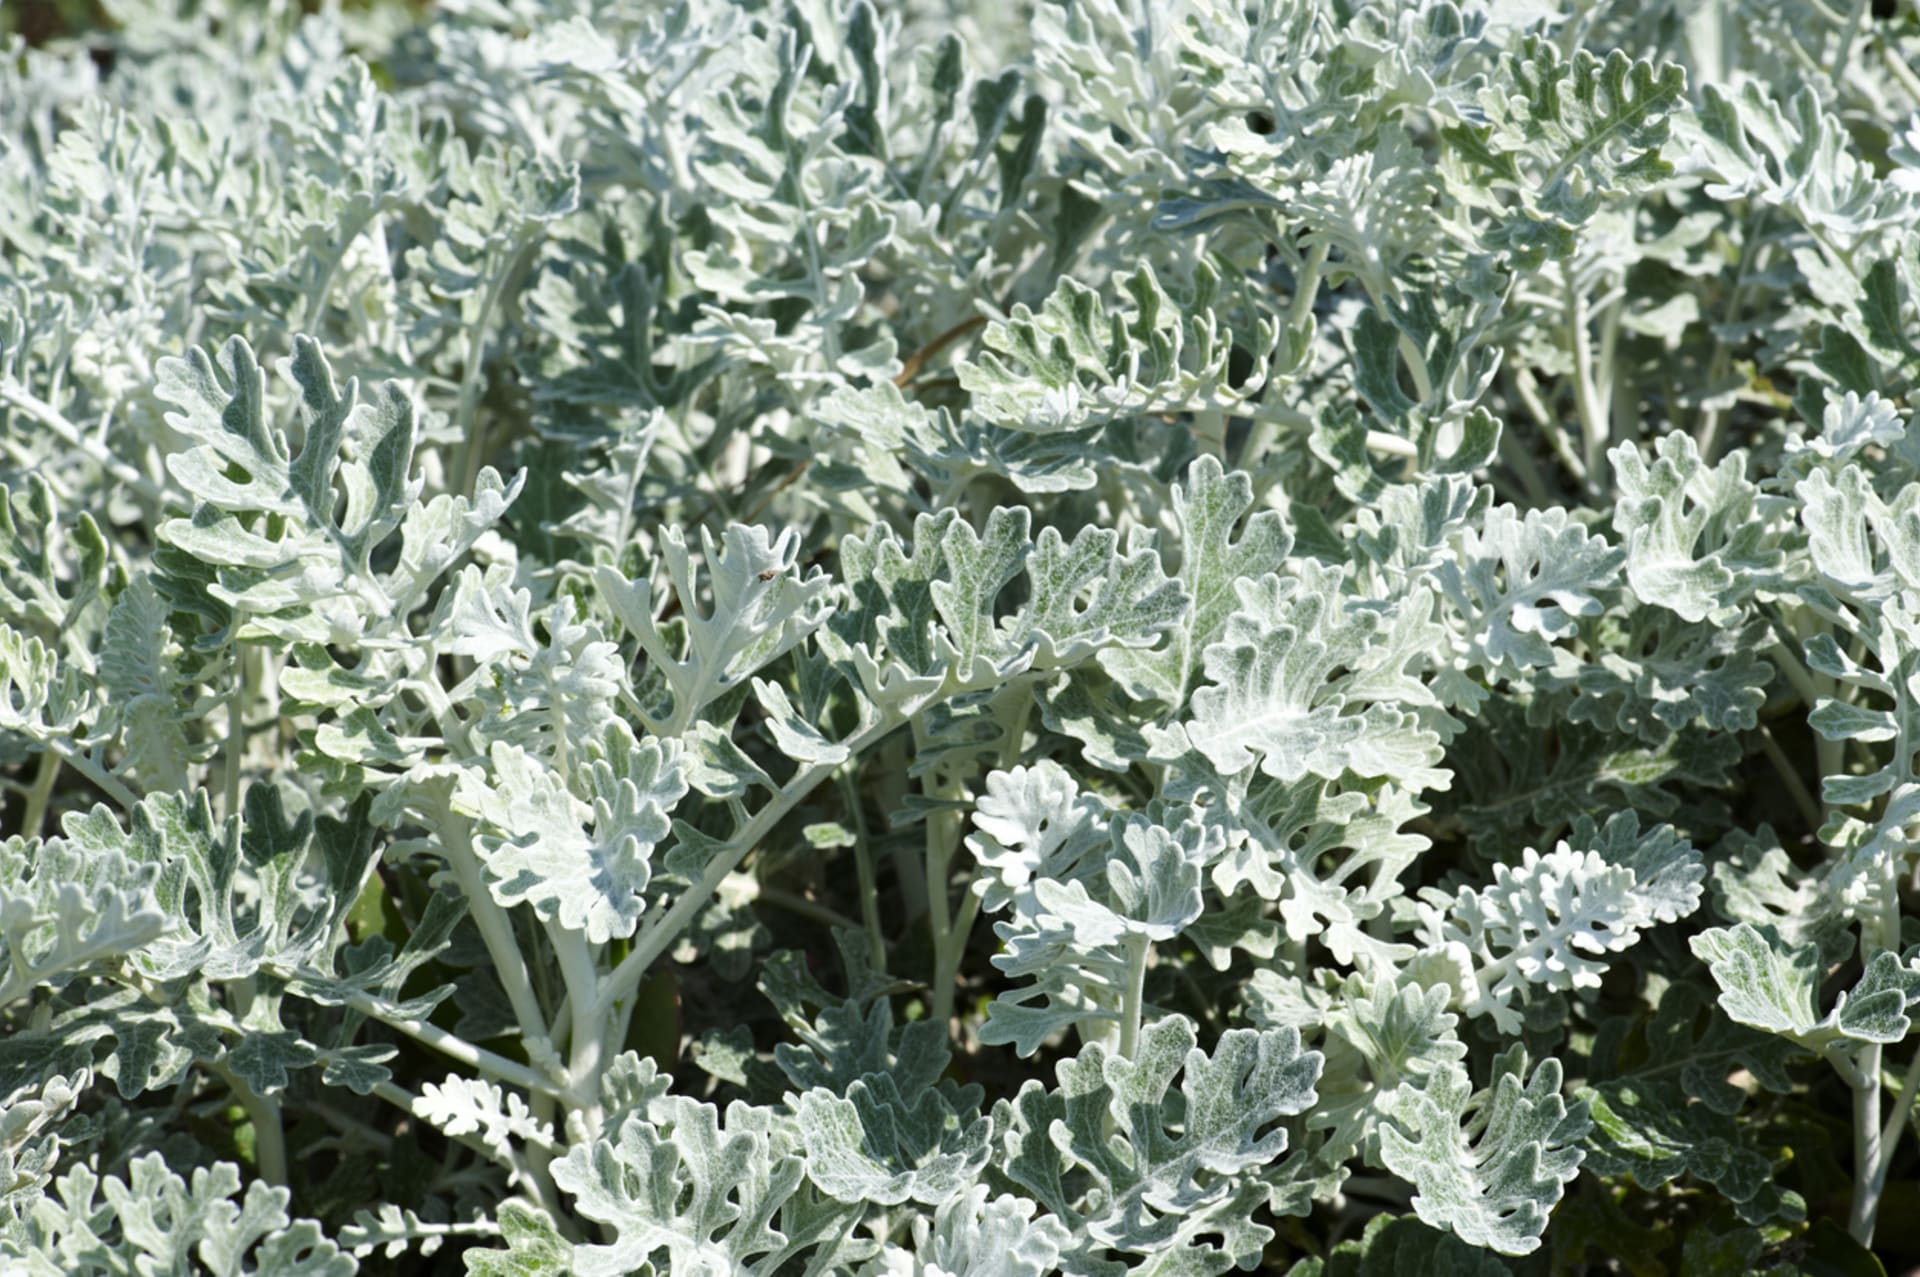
495	927
663	926
1131	1014
452	1045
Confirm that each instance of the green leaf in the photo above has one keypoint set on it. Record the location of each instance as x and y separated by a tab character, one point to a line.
1699	540
875	1145
1382	1045
1766	985
550	694
34	1118
893	439
236	903
1172	1179
581	862
1670	1109
760	607
155	1221
42	697
264	1059
65	905
1517	778
1793	154
1330	856
1521	583
49	574
684	1191
841	1040
1570	132
1085	896
1762	983
1032	822
1851	423
235	459
1876	1009
976	1237
979	565
1077	929
291	540
1079	363
1655	675
535	1247
141	671
1864	547
1402	1246
1288	691
1089	598
1493	1180
1553	919
1834	1252
929	620
1208	511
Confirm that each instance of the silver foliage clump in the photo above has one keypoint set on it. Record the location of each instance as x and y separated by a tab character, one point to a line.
912	639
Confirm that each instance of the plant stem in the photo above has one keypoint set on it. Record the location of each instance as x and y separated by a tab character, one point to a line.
911	367
1416	361
825	915
1831	757
1138	947
1889	1140
1209	426
1529	396
663	926
1586	400
263	1112
1896	65
104	780
317	300
1790	777
1706	435
1532	482
863	867
1872	1145
41	793
1306	291
517	1164
587	1048
236	746
451	1045
1847	39
1866	1146
1705	42
943	837
350	1126
1391	445
946	961
539	1158
952	930
22	400
1609	346
496	928
472	450
1797	674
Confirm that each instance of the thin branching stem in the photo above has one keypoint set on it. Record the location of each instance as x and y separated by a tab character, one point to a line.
662	926
34	818
263	1114
863	868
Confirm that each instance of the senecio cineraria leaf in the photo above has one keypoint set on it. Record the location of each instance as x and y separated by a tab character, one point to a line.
1094	637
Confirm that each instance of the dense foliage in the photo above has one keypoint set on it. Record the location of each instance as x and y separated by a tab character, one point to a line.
1125	636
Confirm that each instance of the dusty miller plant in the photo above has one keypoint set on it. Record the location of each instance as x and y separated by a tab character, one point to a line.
921	638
